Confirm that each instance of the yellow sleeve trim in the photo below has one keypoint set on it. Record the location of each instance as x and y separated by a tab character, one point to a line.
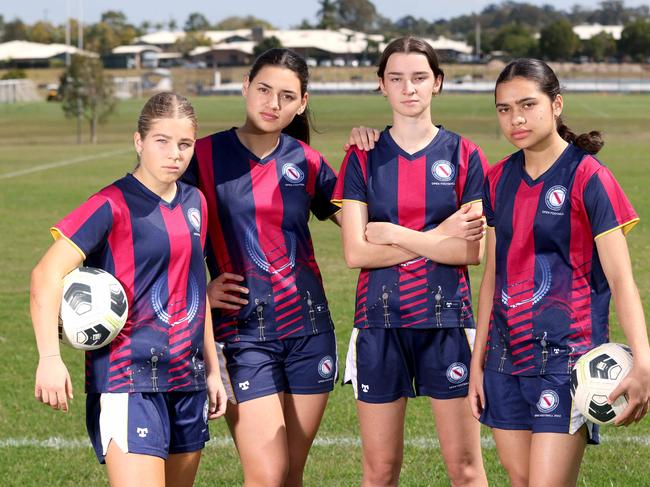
57	234
354	201
627	226
469	203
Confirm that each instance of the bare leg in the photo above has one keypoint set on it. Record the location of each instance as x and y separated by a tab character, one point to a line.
302	416
259	431
557	458
382	438
180	468
132	469
513	447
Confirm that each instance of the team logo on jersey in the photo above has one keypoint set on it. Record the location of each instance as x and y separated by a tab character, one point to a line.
443	171
159	289
542	276
555	197
457	373
292	173
194	217
281	252
548	401
326	367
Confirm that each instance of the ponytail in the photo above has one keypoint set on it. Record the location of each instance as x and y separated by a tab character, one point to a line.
299	128
590	142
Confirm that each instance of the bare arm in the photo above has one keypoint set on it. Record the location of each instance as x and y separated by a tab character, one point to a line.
357	250
485	300
52	385
615	259
444	244
216	391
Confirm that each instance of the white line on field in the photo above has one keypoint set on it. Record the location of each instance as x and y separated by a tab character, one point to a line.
67	162
423	443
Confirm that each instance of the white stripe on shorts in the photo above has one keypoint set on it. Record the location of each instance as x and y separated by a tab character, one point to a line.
114	420
223	371
470	334
350	375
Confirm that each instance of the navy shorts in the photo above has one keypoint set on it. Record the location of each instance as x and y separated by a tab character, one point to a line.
302	365
541	404
148	423
385	364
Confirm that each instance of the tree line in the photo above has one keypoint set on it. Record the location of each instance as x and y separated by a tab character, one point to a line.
513	28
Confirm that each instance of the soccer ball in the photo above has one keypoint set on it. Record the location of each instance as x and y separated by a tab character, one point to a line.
93	308
595	375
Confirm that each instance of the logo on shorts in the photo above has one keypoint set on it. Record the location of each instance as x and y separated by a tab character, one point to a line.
194	217
206	408
548	401
555	197
443	171
457	373
326	367
365	387
244	385
142	432
292	173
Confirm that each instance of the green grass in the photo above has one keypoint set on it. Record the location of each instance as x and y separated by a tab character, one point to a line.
36	134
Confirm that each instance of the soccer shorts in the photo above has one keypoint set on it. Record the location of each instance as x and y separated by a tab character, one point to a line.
148	423
302	365
541	404
385	364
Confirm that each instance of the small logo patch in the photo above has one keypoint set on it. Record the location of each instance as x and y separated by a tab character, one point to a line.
142	432
365	387
443	171
194	217
548	401
244	385
326	367
555	197
457	373
292	173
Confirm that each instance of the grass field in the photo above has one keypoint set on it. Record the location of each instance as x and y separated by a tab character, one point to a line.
40	447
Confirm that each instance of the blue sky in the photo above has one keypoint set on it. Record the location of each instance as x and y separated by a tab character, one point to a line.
281	13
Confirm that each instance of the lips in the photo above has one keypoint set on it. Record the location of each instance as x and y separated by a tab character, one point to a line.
519	134
269	116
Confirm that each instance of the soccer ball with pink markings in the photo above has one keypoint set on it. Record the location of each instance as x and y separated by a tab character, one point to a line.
595	375
93	310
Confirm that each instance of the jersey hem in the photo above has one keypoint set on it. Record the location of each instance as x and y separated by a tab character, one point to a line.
57	234
627	227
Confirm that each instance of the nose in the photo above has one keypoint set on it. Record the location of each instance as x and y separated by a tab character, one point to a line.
409	87
175	152
518	119
274	102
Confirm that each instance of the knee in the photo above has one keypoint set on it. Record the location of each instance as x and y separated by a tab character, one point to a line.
381	472
467	470
517	474
269	475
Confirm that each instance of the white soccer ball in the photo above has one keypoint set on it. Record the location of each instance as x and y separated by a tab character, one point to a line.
93	310
595	375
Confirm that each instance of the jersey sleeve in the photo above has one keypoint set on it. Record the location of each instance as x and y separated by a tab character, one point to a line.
87	227
352	182
321	204
476	170
191	174
607	206
488	209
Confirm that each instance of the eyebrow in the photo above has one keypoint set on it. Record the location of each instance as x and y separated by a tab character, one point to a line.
521	101
168	137
400	73
270	87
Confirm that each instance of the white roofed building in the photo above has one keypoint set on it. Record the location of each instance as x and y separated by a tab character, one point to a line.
24	54
585	32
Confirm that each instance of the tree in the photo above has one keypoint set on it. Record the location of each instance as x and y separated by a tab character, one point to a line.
515	40
190	41
15	30
635	40
115	19
600	47
266	44
195	22
360	15
43	32
87	91
236	22
172	25
101	38
557	41
327	15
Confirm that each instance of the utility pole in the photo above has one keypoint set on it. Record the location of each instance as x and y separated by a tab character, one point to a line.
80	46
477	39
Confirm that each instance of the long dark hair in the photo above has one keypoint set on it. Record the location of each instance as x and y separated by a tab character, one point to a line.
542	74
408	45
299	128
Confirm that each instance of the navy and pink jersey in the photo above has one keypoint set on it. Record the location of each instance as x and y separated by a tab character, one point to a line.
155	250
551	297
259	211
418	191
